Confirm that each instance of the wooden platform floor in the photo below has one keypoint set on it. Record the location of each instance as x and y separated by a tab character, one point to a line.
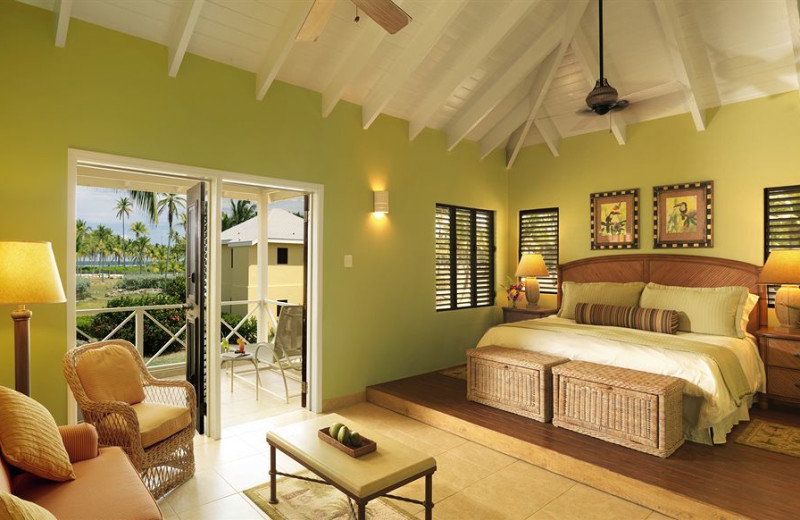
744	480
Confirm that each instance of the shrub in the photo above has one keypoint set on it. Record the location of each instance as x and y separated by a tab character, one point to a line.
82	288
154	336
248	330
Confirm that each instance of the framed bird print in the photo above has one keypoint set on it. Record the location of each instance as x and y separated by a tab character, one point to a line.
615	219
682	216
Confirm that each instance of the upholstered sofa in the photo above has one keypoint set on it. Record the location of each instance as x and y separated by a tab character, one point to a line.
106	485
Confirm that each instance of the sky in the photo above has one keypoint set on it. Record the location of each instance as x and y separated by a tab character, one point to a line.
96	206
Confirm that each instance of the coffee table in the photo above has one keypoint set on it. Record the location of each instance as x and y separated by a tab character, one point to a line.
363	479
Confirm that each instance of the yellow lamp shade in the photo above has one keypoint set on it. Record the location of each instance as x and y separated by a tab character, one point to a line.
782	267
28	274
531	265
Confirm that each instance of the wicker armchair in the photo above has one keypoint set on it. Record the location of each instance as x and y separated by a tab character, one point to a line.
138	426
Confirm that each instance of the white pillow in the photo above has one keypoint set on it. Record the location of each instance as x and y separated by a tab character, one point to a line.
705	310
749	304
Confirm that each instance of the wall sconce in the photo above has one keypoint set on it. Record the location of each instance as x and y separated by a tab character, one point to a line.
380	202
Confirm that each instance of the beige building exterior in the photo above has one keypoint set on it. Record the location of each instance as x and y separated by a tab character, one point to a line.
285	261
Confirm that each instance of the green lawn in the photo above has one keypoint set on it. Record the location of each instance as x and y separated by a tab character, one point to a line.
97	291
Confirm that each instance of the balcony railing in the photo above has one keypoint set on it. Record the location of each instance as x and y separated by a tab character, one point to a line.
158	362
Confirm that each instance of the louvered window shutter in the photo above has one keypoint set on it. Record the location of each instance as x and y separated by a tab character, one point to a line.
538	233
781	224
464	257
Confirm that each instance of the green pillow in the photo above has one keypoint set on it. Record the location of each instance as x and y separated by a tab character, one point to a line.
606	293
705	310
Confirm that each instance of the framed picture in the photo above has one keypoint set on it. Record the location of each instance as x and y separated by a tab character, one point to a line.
615	219
682	215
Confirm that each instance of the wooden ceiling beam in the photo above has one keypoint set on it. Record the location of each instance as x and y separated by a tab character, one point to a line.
793	18
549	132
182	35
62	11
483	105
280	46
693	71
471	56
353	61
500	132
590	69
425	39
571	19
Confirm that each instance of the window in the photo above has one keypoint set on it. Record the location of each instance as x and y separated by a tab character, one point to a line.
464	257
781	224
538	233
283	255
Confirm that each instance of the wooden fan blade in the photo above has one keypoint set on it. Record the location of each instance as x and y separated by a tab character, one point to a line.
315	20
385	13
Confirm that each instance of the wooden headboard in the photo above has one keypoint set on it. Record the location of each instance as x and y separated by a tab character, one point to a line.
681	270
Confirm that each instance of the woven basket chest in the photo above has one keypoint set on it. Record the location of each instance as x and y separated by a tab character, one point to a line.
635	409
512	379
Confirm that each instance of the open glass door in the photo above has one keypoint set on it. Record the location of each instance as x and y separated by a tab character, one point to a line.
195	297
304	343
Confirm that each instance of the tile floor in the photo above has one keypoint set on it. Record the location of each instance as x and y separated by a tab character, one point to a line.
472	481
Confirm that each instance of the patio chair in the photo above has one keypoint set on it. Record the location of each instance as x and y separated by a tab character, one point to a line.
152	420
284	354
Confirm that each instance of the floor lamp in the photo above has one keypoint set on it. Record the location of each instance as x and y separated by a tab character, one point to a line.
28	274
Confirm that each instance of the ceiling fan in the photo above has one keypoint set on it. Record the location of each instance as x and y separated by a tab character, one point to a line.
385	13
603	96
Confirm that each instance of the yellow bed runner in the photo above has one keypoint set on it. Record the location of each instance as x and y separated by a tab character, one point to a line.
729	365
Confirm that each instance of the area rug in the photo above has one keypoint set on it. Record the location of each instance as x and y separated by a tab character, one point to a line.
771	436
457	372
301	500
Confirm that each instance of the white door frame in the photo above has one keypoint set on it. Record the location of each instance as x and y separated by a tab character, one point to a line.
215	179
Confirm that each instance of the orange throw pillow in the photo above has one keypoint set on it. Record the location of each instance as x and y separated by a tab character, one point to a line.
14	508
29	438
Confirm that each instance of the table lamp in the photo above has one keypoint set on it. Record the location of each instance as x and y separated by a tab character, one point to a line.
783	268
530	266
28	274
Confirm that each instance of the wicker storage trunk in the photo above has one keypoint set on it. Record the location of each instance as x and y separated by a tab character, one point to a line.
635	409
512	379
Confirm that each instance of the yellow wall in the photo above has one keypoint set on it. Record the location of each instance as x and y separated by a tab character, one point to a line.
747	147
109	92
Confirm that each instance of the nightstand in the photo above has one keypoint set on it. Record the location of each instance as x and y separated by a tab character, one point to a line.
511	314
780	351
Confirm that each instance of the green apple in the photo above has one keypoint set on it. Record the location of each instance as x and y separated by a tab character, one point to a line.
355	439
335	429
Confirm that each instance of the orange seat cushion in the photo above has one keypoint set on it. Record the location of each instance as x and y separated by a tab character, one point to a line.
106	487
29	437
111	374
159	421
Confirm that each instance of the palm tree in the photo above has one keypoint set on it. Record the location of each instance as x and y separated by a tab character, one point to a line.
103	236
81	237
172	204
124	208
147	202
140	245
241	211
141	242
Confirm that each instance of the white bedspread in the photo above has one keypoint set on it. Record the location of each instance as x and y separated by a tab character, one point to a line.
717	409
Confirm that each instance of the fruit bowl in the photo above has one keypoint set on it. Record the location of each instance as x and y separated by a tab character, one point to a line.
366	445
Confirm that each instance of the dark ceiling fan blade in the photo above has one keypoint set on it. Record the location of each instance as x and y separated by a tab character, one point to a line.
385	13
315	21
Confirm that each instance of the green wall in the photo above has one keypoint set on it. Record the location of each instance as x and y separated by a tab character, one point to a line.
109	92
745	148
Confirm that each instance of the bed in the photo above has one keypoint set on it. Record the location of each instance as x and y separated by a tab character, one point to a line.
710	410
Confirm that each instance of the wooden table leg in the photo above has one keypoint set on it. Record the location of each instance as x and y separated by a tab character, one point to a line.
429	496
362	510
273	499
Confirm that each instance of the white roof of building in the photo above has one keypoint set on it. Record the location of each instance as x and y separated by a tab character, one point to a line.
282	227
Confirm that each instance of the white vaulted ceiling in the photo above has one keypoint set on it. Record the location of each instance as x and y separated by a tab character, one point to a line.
504	73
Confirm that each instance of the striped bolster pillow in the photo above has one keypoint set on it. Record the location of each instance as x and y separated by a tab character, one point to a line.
653	320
